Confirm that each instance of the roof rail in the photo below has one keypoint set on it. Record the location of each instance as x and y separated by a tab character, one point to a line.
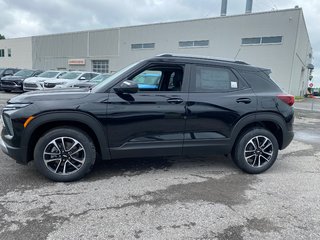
201	57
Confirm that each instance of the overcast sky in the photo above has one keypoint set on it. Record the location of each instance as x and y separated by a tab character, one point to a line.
21	18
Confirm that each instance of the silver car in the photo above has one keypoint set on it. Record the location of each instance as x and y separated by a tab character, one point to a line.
69	79
36	83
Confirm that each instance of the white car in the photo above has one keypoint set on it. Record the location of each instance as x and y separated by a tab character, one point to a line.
69	79
36	83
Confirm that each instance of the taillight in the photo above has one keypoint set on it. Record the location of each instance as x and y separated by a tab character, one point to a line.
288	99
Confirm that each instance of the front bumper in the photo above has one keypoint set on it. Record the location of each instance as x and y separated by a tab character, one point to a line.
17	153
12	87
3	146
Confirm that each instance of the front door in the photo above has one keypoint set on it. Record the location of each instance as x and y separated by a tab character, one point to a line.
152	121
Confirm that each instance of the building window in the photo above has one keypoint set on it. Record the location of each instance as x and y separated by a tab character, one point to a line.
261	40
143	46
197	43
100	66
1	52
9	52
246	41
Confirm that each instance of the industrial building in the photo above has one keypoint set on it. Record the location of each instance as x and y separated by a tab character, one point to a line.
275	39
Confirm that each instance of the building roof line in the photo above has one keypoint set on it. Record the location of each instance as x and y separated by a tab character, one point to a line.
171	22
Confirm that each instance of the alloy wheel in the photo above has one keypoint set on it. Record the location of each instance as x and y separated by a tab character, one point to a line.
258	151
64	155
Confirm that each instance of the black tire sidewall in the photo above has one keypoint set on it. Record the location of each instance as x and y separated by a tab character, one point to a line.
77	134
238	155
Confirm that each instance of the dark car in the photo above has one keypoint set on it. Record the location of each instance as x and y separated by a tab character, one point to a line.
200	107
7	72
94	81
15	82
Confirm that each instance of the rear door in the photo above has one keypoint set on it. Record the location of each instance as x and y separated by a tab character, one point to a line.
218	98
150	122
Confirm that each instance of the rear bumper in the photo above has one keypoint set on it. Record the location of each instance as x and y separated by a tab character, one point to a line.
287	138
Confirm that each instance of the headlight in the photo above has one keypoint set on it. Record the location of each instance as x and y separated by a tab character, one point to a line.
15	106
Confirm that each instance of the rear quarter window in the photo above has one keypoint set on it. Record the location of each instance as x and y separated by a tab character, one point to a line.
259	80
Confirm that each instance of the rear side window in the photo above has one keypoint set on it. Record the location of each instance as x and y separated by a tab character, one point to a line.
214	79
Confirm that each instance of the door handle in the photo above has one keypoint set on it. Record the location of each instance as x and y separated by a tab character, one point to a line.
175	100
243	100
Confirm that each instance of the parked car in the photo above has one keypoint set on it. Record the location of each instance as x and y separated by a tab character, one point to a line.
200	106
7	72
69	79
15	82
94	81
36	83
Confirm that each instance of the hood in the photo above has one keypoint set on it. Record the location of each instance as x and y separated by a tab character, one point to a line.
50	95
36	79
58	80
13	78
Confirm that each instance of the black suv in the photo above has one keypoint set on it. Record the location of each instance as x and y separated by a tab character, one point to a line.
197	106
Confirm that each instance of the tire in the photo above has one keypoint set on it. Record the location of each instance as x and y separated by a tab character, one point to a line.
64	154
255	151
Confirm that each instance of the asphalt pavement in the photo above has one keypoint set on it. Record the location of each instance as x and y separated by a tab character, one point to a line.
177	198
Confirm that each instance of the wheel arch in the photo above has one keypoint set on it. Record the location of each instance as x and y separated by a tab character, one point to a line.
271	121
47	121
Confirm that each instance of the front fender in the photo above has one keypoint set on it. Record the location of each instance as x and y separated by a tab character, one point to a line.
67	116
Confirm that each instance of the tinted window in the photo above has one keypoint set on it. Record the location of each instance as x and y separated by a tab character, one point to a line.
160	78
259	80
9	71
24	73
213	79
149	79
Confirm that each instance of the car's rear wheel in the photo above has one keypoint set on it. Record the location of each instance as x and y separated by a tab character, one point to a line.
255	151
64	154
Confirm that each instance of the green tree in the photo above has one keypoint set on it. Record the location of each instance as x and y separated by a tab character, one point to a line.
2	37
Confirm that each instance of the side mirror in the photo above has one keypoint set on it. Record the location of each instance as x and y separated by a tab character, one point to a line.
127	86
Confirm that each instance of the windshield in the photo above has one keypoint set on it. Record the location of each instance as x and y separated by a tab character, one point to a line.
24	73
48	74
71	75
114	76
100	78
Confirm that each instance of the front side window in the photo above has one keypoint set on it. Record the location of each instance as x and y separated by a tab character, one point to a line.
160	78
214	79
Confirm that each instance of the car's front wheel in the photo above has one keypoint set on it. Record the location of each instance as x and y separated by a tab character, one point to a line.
255	151
64	154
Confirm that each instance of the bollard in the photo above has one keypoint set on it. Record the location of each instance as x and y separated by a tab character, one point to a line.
312	104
